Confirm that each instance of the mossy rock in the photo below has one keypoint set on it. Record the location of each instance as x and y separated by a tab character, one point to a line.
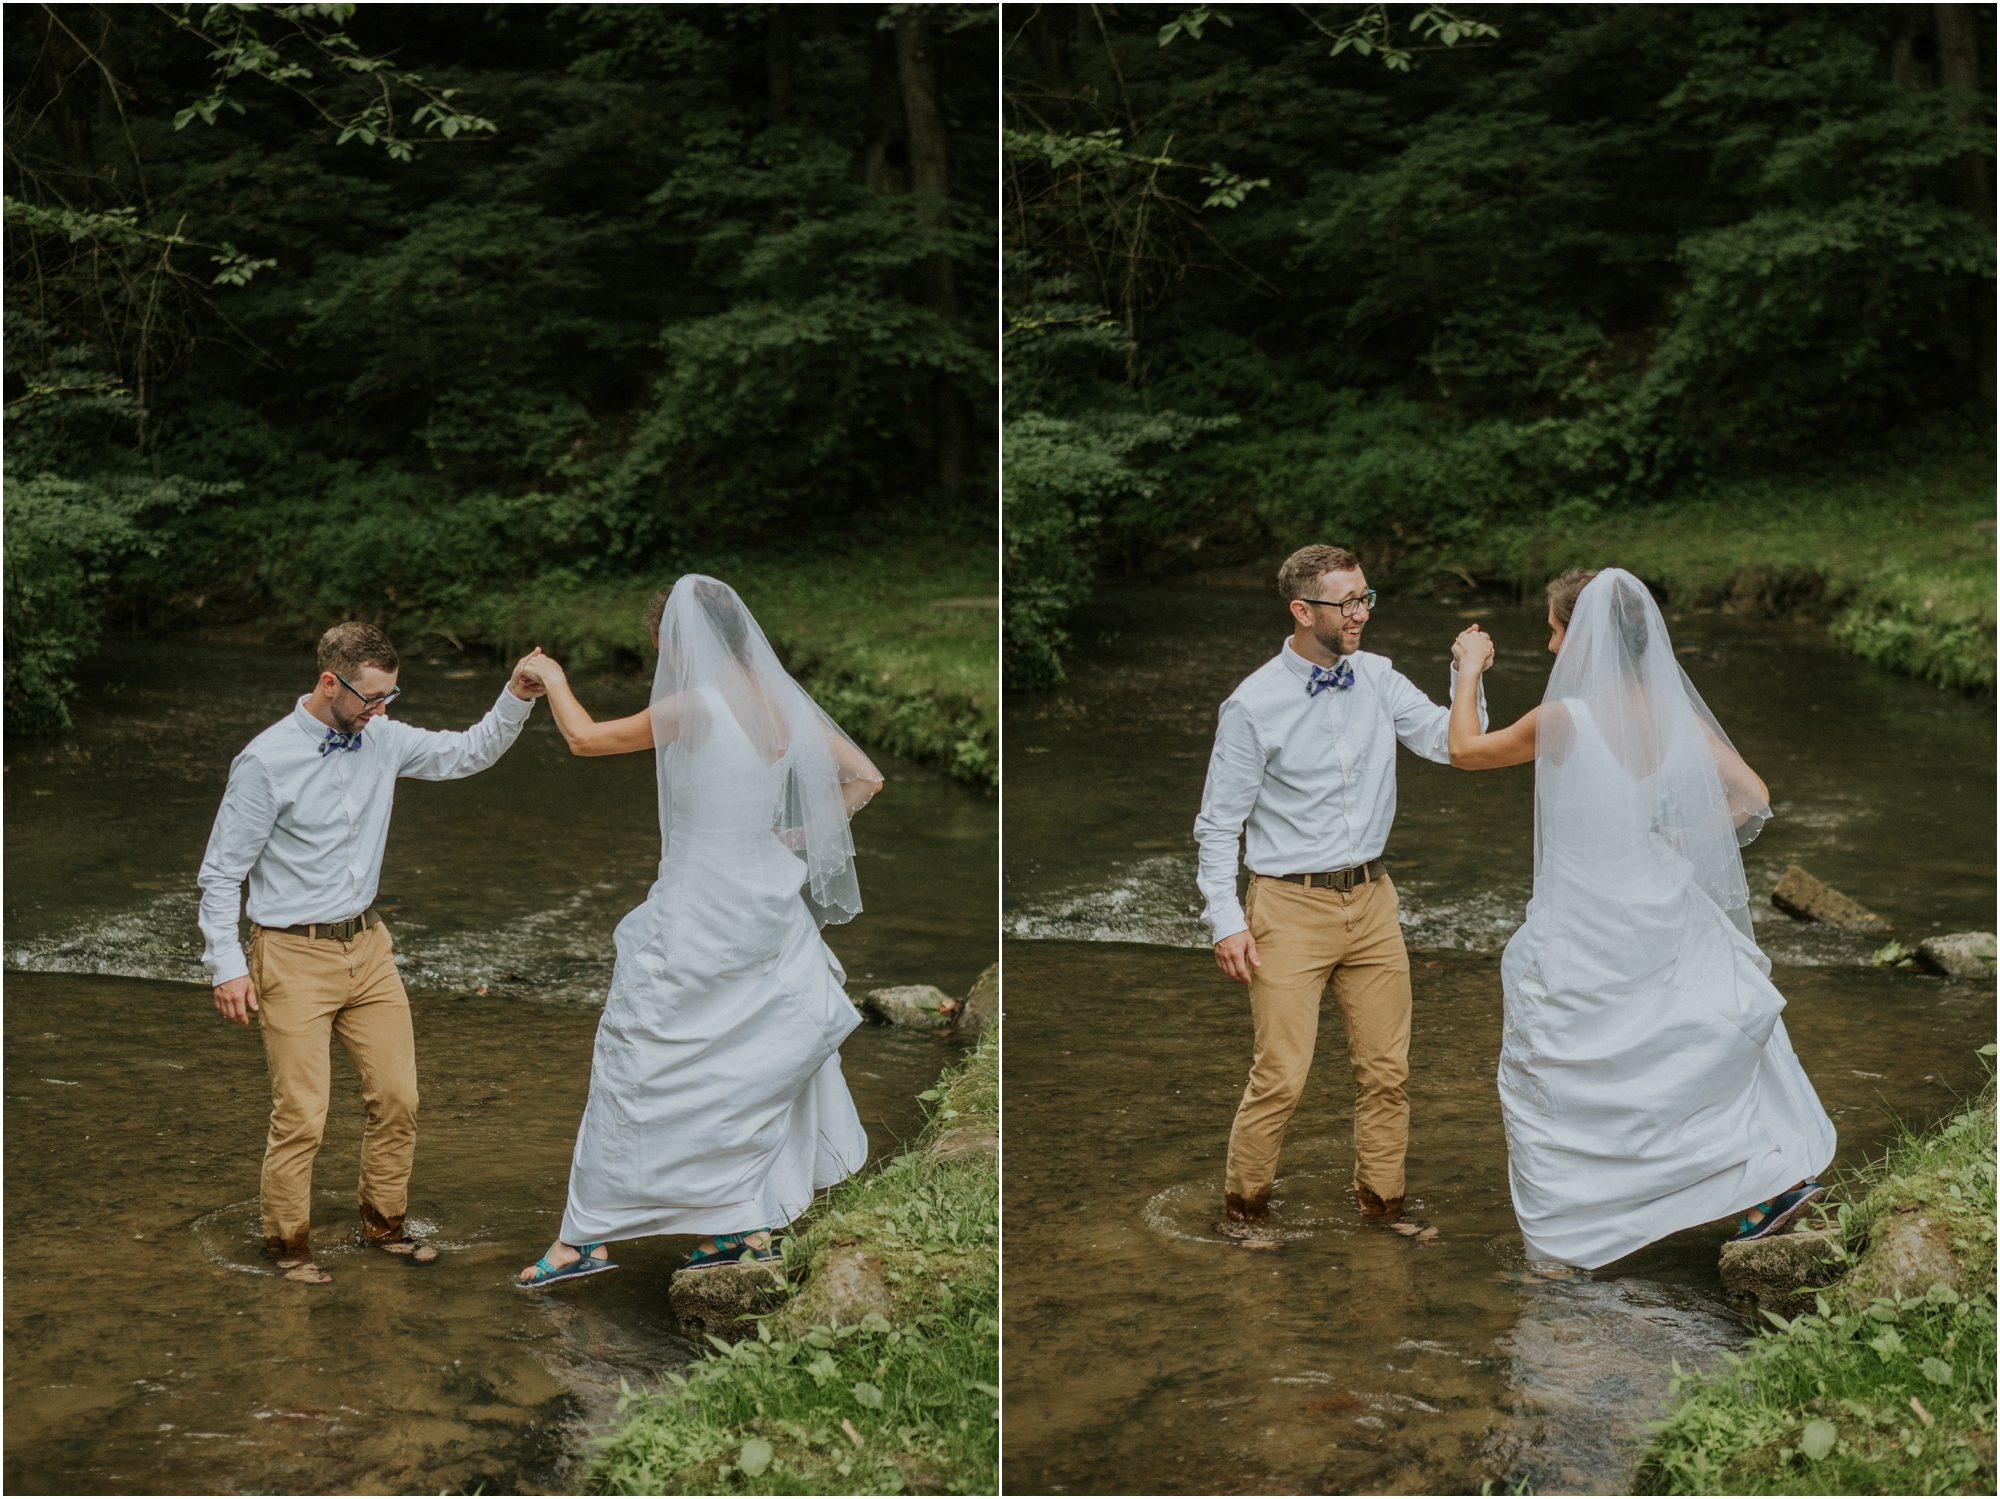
1781	1274
716	1300
981	1010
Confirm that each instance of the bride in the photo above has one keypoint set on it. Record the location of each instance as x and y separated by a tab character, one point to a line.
1646	1081
716	1104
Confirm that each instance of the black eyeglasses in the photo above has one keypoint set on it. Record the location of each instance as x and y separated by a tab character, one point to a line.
1347	606
369	702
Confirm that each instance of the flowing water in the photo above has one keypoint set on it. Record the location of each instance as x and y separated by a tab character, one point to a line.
1144	1352
150	1349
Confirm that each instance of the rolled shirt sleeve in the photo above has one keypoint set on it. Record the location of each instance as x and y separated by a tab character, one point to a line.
242	827
1235	776
448	755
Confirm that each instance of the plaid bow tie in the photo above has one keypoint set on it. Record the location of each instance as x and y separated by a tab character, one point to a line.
1340	674
335	740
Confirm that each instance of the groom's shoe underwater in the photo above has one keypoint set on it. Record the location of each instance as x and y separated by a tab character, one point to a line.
1248	1221
1378	1209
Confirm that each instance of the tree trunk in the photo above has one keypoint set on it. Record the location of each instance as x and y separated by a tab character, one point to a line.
923	115
1911	54
781	50
1958	74
882	162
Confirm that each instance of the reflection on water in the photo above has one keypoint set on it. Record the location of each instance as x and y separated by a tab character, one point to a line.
150	1348
1145	1352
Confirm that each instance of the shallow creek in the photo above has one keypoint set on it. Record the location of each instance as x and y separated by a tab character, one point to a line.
1145	1353
149	1347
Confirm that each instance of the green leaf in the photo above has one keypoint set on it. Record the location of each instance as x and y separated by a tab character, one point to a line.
1817	1439
929	1095
754	1458
869	1396
1169	31
1989	1049
1936	1370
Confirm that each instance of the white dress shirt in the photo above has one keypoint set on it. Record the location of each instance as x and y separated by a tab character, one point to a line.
1311	776
308	829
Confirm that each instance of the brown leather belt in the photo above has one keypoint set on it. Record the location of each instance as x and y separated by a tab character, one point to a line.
335	931
1338	879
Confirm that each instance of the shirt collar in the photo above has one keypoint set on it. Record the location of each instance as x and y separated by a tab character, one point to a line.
311	727
1301	668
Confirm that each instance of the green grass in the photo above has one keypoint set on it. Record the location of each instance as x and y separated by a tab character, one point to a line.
1828	1403
1892	563
861	632
918	1389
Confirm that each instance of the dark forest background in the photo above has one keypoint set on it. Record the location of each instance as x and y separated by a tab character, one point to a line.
1382	276
489	296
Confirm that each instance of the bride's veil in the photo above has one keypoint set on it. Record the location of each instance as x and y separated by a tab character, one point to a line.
744	754
1661	773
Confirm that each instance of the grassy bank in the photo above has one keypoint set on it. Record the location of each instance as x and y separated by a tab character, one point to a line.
906	1401
900	645
1900	565
1864	1395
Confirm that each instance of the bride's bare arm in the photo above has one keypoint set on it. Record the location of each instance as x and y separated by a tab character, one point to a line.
1748	795
1470	749
584	734
859	779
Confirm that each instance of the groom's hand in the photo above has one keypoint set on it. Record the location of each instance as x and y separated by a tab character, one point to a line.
1236	955
236	1000
526	681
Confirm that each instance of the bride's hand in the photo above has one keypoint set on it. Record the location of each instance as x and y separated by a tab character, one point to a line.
538	670
1473	650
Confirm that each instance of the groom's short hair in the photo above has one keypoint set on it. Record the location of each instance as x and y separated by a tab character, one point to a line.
348	647
1300	575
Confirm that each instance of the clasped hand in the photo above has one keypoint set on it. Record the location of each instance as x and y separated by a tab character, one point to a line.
1472	650
532	674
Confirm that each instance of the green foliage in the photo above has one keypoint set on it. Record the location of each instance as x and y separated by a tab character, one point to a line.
1603	261
65	534
1887	1397
1898	561
681	303
897	641
882	1406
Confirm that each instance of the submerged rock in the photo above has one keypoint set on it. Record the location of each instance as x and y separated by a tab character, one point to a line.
924	1006
1908	1252
982	1006
842	1291
1799	894
1775	1271
1957	956
715	1300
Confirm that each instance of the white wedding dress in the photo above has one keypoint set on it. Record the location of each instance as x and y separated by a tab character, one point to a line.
717	1103
1646	1081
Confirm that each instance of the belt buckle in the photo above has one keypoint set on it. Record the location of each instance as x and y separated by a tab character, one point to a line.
1342	880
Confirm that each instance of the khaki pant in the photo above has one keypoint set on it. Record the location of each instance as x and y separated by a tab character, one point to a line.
1304	937
308	990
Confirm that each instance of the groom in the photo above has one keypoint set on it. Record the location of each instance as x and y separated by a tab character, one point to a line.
1305	763
305	818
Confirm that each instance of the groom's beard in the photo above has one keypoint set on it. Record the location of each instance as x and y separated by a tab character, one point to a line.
1334	642
348	725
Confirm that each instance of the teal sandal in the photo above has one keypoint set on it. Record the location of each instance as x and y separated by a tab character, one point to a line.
1778	1215
584	1264
733	1249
